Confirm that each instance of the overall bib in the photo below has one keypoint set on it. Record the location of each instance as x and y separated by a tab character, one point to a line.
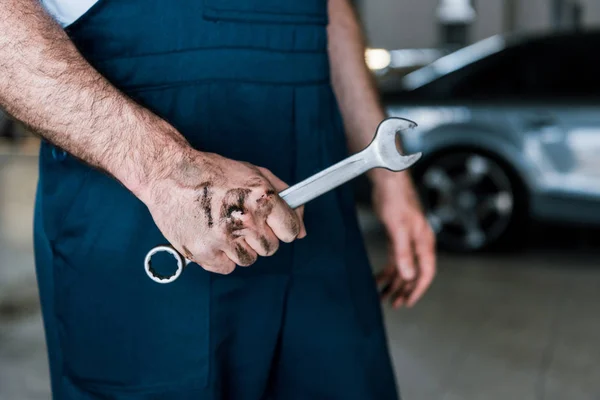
248	80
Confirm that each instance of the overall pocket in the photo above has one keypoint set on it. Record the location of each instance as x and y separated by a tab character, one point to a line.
62	181
268	11
119	331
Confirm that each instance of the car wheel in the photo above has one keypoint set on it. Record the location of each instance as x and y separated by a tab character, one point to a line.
472	200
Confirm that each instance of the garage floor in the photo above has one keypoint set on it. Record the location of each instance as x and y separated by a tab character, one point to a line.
523	326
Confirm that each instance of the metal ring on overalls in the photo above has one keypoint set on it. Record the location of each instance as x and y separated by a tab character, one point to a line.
182	262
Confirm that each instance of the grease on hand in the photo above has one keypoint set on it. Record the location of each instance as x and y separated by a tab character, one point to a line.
206	204
264	242
293	225
234	200
232	208
243	255
187	253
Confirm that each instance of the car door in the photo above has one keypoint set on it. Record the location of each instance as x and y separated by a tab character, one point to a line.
563	122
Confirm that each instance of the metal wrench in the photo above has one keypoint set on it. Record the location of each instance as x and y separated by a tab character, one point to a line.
382	152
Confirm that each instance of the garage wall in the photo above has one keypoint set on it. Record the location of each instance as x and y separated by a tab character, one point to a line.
399	23
412	23
534	15
592	16
490	19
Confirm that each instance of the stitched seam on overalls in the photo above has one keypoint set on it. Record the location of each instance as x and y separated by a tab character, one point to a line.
145	88
57	323
194	49
297	14
101	387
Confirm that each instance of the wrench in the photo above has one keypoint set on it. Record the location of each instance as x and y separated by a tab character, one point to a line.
382	152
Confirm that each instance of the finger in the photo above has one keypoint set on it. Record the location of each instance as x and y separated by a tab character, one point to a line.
403	254
397	299
394	286
386	274
219	264
421	286
300	212
284	222
280	186
241	253
277	183
425	250
401	297
385	278
263	241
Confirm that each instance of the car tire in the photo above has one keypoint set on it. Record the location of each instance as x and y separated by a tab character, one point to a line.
473	200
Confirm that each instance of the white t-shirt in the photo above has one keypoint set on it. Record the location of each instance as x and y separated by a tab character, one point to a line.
67	11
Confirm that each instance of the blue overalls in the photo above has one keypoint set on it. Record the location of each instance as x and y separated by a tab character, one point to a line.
249	80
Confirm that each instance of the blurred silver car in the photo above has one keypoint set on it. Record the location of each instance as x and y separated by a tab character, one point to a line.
510	131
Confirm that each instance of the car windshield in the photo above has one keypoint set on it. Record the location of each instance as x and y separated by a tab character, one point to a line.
454	61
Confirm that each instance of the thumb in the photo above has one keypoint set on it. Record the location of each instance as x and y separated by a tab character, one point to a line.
280	185
403	254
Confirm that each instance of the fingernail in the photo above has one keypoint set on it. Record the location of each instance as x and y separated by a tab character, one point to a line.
407	272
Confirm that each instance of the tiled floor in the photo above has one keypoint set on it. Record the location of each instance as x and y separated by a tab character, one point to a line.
523	326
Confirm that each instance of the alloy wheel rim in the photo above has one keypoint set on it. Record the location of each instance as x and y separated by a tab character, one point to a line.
469	199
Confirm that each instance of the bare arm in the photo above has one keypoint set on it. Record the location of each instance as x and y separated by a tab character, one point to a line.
48	85
412	259
352	81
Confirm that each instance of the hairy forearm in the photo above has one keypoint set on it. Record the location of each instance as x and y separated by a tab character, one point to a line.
352	81
48	85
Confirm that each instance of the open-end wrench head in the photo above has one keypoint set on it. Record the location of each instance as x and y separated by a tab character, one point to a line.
384	145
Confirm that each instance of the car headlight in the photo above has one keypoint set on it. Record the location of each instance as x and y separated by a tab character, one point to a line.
377	59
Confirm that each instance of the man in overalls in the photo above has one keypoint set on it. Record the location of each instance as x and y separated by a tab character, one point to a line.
179	121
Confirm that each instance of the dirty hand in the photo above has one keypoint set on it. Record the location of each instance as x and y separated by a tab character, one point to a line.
219	212
411	262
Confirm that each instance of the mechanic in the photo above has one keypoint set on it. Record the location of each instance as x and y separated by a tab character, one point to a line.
178	121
